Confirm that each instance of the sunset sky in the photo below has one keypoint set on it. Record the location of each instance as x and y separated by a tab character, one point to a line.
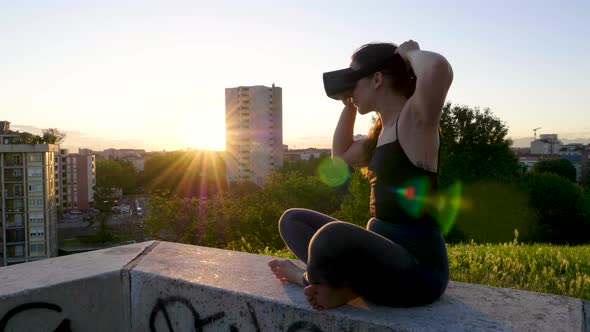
152	74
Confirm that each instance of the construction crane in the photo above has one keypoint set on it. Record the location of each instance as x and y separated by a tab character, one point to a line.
535	131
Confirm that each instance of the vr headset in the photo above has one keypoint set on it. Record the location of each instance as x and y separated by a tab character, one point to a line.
340	83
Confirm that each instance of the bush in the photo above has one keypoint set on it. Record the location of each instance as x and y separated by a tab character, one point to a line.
561	167
561	208
490	212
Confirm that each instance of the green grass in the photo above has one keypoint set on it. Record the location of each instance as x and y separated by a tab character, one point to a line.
560	270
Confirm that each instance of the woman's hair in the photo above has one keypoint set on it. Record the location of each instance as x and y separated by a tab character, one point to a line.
400	76
373	135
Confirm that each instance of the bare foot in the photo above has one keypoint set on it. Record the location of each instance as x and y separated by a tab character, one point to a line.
322	296
286	271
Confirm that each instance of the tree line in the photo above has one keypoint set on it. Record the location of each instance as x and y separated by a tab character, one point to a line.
493	198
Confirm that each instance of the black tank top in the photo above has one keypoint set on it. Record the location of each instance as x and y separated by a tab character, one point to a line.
401	192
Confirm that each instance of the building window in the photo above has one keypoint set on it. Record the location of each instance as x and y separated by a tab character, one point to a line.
37	249
16	251
35	217
35	202
35	157
36	231
15	235
35	187
35	171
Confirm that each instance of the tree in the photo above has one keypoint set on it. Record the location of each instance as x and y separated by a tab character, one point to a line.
355	205
53	136
305	167
186	173
241	188
116	174
561	167
474	146
173	218
27	138
489	212
104	204
253	216
561	208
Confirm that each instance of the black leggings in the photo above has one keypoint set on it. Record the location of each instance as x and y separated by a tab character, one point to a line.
387	263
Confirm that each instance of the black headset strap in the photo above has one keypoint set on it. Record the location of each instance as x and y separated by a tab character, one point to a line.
372	68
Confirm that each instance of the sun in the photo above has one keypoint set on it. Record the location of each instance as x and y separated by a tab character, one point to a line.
201	132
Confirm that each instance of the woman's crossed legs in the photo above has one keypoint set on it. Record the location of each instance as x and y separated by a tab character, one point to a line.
343	260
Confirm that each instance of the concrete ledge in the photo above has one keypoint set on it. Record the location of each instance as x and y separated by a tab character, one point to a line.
85	292
160	286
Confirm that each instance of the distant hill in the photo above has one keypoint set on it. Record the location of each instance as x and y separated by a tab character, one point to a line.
525	142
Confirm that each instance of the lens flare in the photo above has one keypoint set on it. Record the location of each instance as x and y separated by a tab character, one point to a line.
443	206
333	171
446	206
412	196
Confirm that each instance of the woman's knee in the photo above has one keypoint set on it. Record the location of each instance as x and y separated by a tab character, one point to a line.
287	218
337	228
333	232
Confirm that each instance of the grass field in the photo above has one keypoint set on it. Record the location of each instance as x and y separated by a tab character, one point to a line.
560	270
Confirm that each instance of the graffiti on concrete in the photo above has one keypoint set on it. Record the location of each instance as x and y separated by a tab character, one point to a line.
164	305
303	326
64	326
253	316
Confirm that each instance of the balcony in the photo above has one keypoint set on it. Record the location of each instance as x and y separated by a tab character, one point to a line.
13	163
14	191
14	209
13	178
15	235
15	251
151	286
10	225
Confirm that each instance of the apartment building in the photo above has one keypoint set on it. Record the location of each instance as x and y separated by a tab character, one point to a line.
28	228
75	175
254	132
306	154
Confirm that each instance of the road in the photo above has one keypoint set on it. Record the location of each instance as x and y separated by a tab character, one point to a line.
124	225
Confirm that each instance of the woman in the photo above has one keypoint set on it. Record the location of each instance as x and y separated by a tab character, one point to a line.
401	258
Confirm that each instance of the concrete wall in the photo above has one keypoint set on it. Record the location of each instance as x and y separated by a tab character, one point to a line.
160	286
85	292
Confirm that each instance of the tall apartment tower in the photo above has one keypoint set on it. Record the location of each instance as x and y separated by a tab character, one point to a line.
254	132
75	175
28	228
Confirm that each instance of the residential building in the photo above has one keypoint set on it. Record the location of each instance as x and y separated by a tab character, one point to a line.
76	176
28	225
529	160
548	147
137	162
306	154
546	144
254	132
122	153
6	135
136	157
577	154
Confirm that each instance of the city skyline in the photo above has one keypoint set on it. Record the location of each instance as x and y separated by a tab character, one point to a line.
152	76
